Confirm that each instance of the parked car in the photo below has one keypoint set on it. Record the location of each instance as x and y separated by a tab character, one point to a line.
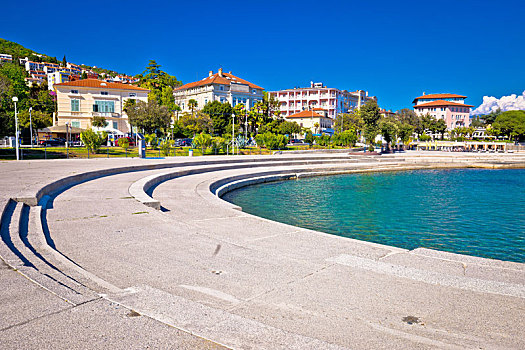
52	142
183	142
297	142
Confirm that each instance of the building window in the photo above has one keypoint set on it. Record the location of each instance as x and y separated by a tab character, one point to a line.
221	87
132	94
254	91
104	106
104	93
223	100
75	105
75	124
115	125
74	91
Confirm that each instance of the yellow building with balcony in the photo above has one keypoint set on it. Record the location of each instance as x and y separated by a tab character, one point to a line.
80	100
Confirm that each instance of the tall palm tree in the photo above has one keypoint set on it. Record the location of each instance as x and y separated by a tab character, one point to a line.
192	104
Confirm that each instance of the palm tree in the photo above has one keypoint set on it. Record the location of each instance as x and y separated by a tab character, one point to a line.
192	104
316	126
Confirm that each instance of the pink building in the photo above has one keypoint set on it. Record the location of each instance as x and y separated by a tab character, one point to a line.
449	107
335	101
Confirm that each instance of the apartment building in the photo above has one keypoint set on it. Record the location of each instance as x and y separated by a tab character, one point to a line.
79	101
449	107
5	58
335	101
222	87
316	119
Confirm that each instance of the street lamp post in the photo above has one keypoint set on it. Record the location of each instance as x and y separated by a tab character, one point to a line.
67	140
31	125
233	133
15	100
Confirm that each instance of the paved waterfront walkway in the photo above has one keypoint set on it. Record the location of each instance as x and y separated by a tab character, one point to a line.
106	271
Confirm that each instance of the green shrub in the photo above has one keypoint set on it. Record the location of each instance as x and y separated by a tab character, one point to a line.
203	141
219	143
92	140
424	137
166	146
123	142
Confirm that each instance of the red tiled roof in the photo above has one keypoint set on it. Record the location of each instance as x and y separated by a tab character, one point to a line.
319	109
216	79
438	96
306	114
95	83
441	103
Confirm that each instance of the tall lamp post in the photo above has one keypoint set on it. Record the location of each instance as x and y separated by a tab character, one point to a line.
233	133
31	125
15	100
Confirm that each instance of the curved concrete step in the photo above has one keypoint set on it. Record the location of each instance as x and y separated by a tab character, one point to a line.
39	238
21	256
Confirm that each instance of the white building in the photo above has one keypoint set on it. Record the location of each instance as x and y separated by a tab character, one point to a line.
80	100
222	87
335	101
5	58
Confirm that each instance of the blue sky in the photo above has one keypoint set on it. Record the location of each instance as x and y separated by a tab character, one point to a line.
394	49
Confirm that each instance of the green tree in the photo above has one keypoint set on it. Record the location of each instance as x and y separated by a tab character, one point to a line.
309	138
389	130
347	121
409	117
491	117
84	76
371	114
99	122
220	114
12	84
289	128
39	119
441	127
167	99
346	138
195	124
510	124
148	116
192	104
64	61
405	132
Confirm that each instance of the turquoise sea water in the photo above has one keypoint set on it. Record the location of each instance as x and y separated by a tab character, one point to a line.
468	211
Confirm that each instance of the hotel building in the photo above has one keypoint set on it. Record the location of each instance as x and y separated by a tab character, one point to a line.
80	100
334	101
222	87
449	107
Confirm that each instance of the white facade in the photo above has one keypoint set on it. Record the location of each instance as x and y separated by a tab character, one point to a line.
334	101
222	87
5	58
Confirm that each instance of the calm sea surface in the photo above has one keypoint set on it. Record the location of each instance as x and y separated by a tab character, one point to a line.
467	211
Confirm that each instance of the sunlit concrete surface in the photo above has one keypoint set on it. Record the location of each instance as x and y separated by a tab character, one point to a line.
89	262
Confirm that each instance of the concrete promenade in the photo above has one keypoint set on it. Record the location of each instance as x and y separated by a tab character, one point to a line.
87	261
